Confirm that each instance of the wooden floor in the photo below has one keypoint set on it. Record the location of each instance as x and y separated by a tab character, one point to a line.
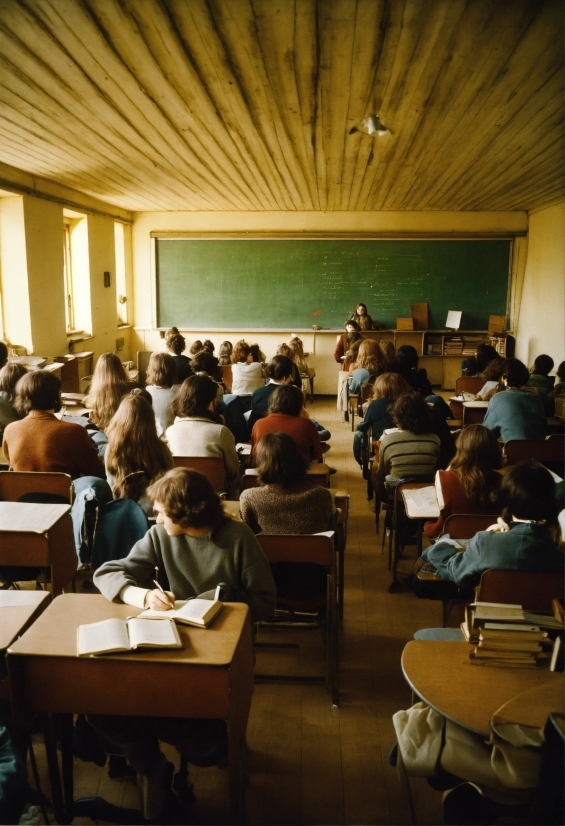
310	763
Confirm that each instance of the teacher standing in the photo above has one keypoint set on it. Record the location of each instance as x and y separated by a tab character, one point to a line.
362	317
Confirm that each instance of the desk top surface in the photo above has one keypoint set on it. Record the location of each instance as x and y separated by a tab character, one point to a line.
16	610
30	517
442	675
54	634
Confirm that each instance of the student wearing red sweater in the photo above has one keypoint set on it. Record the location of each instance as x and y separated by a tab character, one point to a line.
466	486
286	406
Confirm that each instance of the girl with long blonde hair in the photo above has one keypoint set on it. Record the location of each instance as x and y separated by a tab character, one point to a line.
108	387
135	456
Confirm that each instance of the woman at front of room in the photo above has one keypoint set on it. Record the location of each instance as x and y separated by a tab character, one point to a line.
362	317
345	340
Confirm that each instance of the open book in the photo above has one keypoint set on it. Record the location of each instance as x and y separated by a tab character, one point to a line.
111	635
198	612
421	502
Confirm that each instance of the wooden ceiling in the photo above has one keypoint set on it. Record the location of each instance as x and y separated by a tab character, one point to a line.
248	104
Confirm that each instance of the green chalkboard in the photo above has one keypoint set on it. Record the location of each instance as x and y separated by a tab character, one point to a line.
285	284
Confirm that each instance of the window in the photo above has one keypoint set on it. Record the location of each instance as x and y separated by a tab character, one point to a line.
121	284
68	278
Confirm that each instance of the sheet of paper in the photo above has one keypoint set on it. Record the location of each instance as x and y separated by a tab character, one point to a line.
453	319
25	516
107	635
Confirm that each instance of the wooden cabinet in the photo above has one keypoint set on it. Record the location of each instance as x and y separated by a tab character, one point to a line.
75	368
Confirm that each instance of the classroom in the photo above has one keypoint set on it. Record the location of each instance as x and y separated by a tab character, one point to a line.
129	127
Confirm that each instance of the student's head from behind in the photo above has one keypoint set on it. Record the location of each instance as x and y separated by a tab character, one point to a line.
484	355
185	499
527	492
494	369
477	446
361	309
208	345
297	348
388	350
240	352
390	386
10	375
543	365
133	420
407	358
195	347
174	342
279	461
280	368
286	399
109	372
224	353
205	362
161	370
351	326
3	353
195	397
370	356
515	374
561	371
256	353
284	350
411	412
38	390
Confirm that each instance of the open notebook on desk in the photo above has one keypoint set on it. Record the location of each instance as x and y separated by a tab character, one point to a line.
421	503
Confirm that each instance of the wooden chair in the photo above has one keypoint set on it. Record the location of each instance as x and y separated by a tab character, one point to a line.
54	553
227	376
318	472
367	459
212	467
15	484
395	511
468	384
533	591
472	415
458	526
550	452
317	550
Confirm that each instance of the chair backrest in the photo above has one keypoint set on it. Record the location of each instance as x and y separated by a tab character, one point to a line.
532	590
311	548
227	376
473	415
469	384
317	472
211	466
142	358
15	484
120	524
466	525
550	452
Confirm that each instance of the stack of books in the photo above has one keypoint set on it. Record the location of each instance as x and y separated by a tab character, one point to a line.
505	635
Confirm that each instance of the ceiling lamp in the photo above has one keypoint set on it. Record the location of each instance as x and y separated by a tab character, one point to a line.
371	126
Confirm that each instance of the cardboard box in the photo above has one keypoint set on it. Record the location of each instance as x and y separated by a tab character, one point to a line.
496	324
404	323
419	312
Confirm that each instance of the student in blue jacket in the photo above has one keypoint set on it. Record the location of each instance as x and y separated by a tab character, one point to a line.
523	539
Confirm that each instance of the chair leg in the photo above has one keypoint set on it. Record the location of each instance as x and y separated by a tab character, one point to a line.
36	779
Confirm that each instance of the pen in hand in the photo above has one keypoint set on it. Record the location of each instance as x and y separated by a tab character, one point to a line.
165	595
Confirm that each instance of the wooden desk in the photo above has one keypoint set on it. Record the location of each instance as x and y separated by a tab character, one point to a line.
38	536
211	677
442	676
18	610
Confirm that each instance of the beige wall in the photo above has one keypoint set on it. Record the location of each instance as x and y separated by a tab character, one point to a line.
31	259
542	307
429	224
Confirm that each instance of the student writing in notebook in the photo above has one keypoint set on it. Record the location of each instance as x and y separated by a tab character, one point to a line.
195	548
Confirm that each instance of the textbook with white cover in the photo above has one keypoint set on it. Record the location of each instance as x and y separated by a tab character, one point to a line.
112	635
199	612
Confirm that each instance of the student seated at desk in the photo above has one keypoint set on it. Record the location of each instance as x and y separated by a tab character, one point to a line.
523	539
516	413
345	340
466	486
370	363
108	387
198	430
286	406
176	345
247	375
543	382
161	384
386	389
406	364
10	375
286	501
195	548
476	365
135	455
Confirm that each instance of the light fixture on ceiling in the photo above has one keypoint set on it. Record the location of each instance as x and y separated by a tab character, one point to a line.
372	126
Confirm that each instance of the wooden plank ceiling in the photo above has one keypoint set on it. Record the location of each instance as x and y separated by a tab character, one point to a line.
248	104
